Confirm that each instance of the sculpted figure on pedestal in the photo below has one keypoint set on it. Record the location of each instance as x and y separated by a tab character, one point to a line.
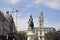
31	24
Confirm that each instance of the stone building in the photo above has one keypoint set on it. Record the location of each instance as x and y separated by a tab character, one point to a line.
41	30
7	26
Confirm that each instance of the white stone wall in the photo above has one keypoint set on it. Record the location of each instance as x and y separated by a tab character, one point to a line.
43	30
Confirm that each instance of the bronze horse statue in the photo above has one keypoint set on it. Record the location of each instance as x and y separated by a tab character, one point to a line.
31	24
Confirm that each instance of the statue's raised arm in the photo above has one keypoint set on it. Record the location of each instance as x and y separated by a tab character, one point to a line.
30	22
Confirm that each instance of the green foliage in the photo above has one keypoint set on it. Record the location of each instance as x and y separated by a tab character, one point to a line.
52	35
36	38
22	35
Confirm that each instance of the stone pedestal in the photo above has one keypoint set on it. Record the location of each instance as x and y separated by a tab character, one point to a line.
30	36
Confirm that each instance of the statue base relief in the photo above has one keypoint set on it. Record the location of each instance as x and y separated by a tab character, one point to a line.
30	35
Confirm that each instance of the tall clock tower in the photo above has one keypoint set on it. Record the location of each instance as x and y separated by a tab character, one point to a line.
41	26
41	19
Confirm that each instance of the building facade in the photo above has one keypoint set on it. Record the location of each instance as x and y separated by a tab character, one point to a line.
41	30
7	26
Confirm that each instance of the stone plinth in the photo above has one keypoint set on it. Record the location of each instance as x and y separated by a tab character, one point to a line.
30	36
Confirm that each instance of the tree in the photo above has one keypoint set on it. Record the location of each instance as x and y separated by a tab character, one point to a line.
52	35
36	38
22	35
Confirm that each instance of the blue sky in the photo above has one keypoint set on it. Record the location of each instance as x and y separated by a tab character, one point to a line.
50	8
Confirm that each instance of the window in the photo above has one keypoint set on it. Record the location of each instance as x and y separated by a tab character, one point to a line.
36	33
41	37
40	32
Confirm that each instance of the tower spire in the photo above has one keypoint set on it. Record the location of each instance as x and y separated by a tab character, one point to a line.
41	24
41	19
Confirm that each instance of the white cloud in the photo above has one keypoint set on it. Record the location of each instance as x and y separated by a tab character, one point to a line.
12	1
22	24
36	22
38	1
52	24
27	7
55	4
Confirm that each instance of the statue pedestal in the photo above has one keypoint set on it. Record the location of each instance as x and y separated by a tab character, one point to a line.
30	36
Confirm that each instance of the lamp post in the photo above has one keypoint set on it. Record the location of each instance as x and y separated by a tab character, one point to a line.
16	18
16	11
